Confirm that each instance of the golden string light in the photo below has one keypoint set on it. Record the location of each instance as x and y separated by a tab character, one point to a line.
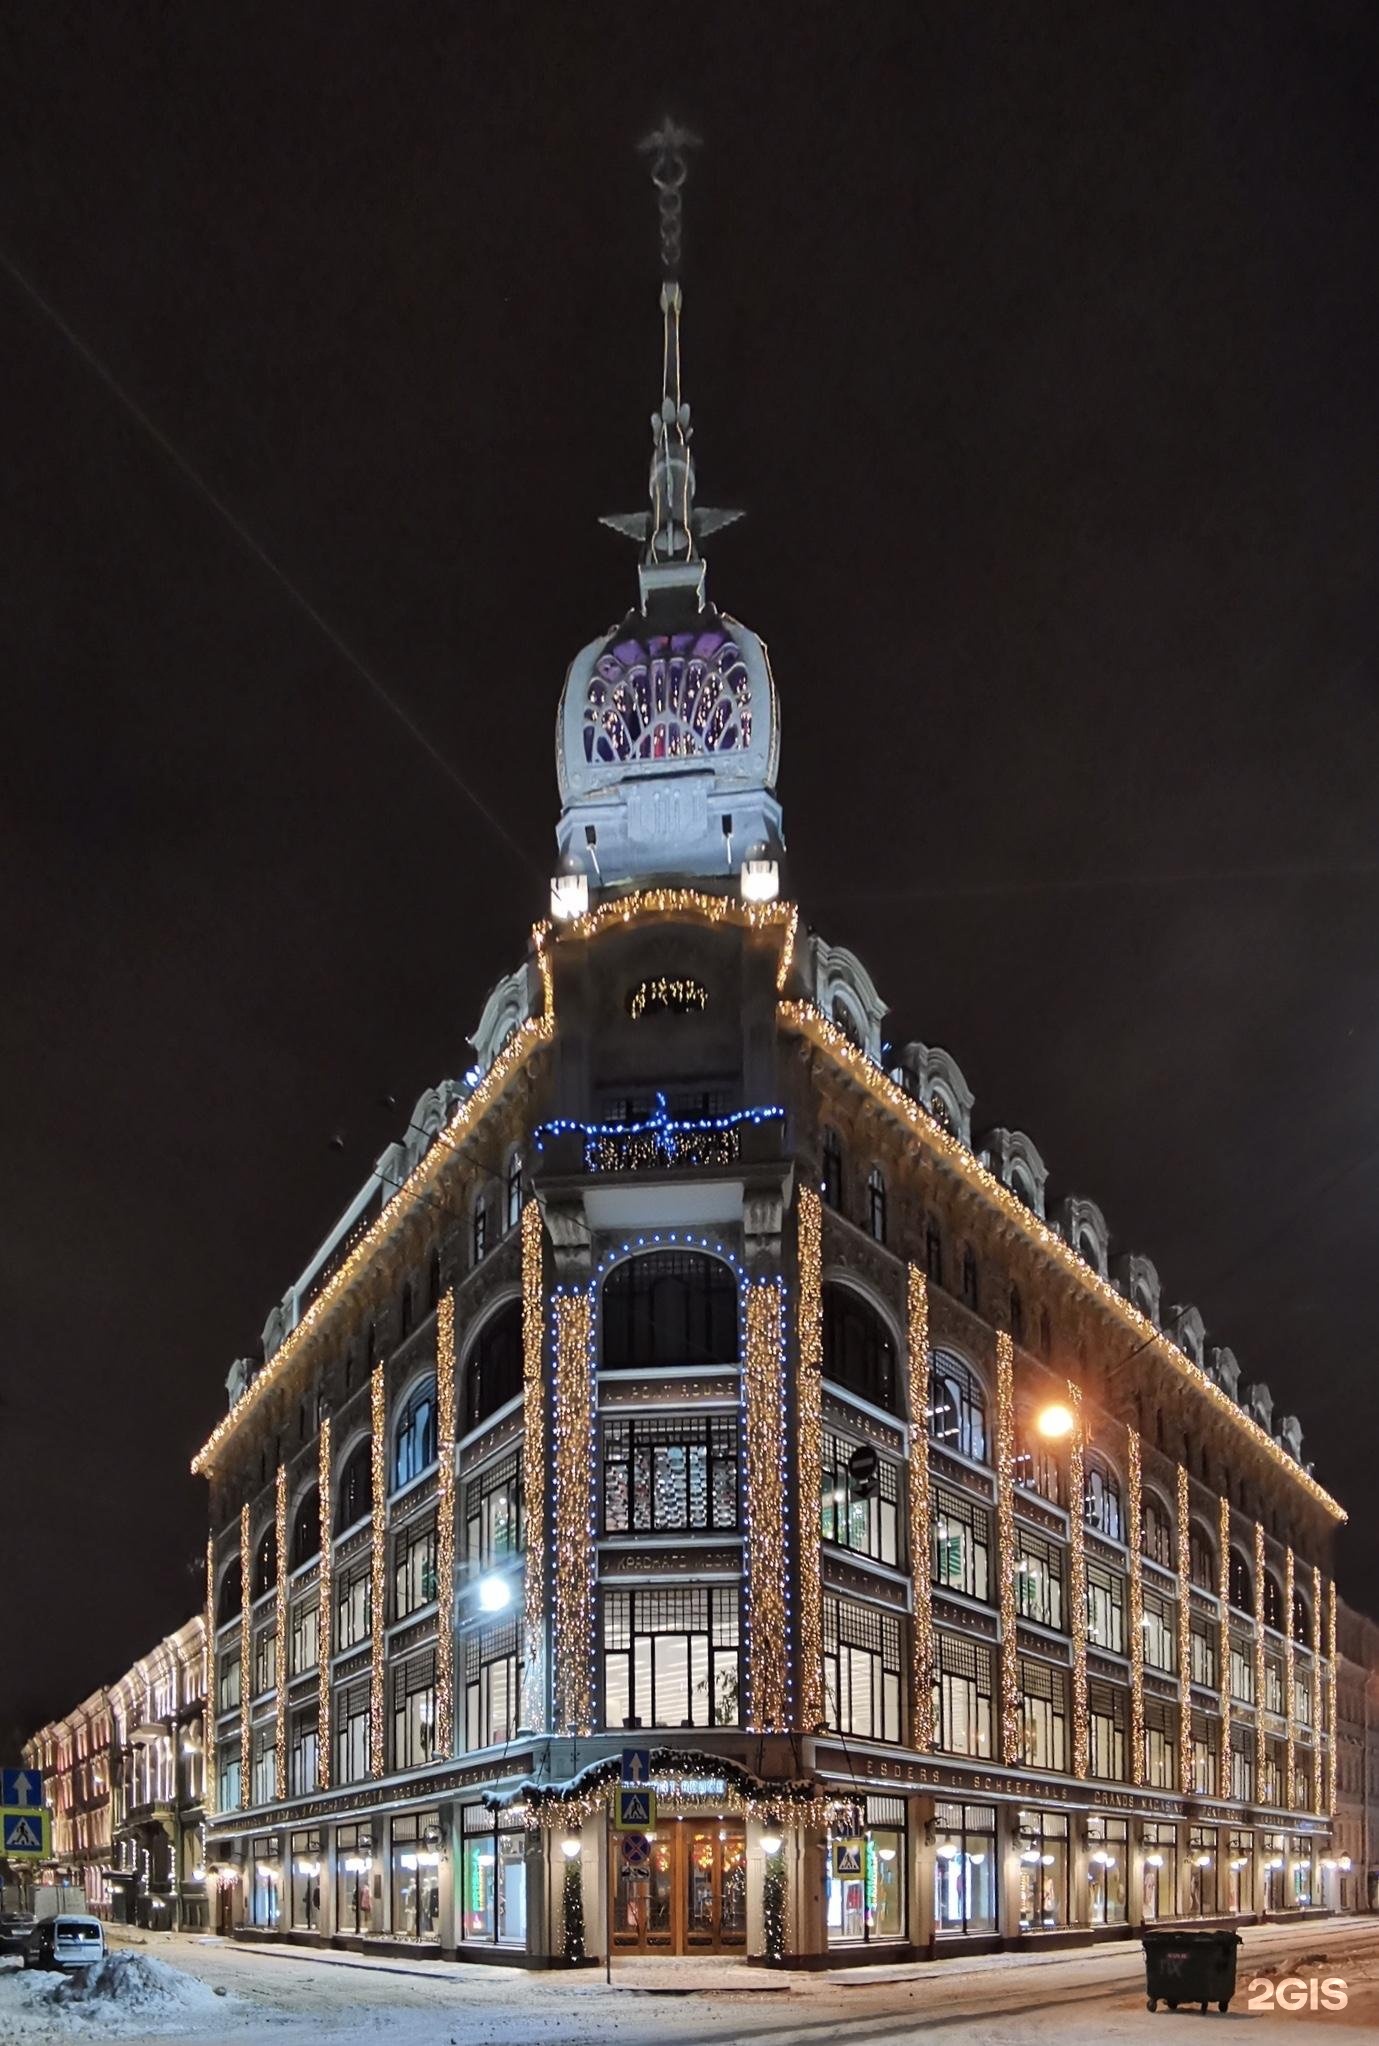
1077	1582
378	1570
246	1668
1260	1665
280	1624
445	1526
1135	1492
210	1772
1223	1638
1317	1800
809	1321
768	1608
1012	1745
810	1022
1290	1729
1331	1803
1183	1541
674	992
572	1329
325	1613
919	1505
533	1477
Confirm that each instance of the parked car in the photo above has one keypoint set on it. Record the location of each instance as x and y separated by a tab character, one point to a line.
68	1941
15	1927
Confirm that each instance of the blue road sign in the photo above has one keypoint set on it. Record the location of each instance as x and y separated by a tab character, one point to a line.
635	1811
21	1788
25	1835
636	1765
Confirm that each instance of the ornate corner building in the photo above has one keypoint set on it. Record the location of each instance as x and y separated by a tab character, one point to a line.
689	1398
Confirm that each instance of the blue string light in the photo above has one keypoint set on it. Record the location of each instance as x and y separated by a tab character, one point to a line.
661	1137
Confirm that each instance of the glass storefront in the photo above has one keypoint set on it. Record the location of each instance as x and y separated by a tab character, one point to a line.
265	1879
866	1876
1160	1872
1273	1869
1240	1889
1300	1872
493	1877
354	1863
965	1871
1108	1862
1043	1869
1201	1871
416	1875
305	1889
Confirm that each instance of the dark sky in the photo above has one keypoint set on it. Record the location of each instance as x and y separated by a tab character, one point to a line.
1039	344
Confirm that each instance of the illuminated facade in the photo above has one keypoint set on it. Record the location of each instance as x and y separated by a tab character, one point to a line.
676	1385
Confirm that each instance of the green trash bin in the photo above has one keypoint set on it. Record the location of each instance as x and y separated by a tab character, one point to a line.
1189	1967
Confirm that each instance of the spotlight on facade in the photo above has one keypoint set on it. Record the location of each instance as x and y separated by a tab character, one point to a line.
570	1846
569	895
771	1841
760	876
495	1593
1344	1864
1055	1421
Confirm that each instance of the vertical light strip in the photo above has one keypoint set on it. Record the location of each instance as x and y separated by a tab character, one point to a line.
1331	1804
1223	1594
1135	1535
378	1571
1077	1581
1183	1536
920	1510
768	1617
325	1615
809	1337
445	1527
1011	1745
246	1648
1318	1803
280	1626
1261	1742
1290	1733
211	1755
533	1706
571	1327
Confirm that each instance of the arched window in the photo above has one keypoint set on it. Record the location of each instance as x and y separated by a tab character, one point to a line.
514	1189
1301	1625
847	1023
957	1407
858	1351
876	1204
933	1252
265	1565
478	1230
230	1598
1157	1533
355	1490
669	1307
414	1444
1037	1467
969	1277
1021	1188
493	1371
306	1528
1202	1557
1017	1318
831	1169
1241	1589
1102	1502
1273	1602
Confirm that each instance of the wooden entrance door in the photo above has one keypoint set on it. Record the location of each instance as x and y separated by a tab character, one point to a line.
689	1896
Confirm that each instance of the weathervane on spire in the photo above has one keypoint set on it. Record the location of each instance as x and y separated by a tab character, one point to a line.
671	529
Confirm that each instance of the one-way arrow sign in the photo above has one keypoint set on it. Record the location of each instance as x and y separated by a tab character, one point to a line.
21	1789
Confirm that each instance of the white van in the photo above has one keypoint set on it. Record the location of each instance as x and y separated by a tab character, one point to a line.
70	1940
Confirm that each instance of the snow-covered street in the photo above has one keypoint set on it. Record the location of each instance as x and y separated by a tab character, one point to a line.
209	1991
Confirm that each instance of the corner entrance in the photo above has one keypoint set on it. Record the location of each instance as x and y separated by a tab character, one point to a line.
688	1896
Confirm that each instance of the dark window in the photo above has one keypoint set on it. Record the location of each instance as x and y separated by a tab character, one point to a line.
404	1318
957	1407
831	1157
1017	1318
479	1230
414	1445
1300	1623
306	1528
876	1204
969	1277
1045	1334
1273	1603
1156	1534
858	1351
1241	1593
265	1564
933	1253
847	1023
494	1372
356	1487
1101	1504
514	1189
230	1601
1037	1467
433	1282
1202	1560
669	1307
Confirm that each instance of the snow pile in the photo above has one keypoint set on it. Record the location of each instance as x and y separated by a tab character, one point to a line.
132	1992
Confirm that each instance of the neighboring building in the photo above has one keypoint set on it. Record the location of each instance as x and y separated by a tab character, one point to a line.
124	1777
1356	1841
677	1384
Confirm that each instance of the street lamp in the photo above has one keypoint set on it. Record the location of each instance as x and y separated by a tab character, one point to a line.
570	1846
1056	1421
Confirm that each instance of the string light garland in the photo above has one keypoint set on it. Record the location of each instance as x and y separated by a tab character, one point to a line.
246	1667
378	1570
810	1022
208	1680
665	995
1331	1802
1290	1730
809	1342
533	1705
325	1616
1317	1802
682	1789
1012	1745
769	1631
1259	1640
280	1624
659	1139
1223	1637
572	1347
713	909
1077	1582
1135	1492
445	1526
1183	1540
920	1508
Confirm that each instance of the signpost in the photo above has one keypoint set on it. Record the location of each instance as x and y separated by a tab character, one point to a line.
634	1811
26	1836
21	1789
636	1765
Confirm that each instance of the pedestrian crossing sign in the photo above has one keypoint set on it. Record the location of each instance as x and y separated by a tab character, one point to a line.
25	1836
634	1811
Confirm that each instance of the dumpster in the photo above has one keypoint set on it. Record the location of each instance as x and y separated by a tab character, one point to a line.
1189	1967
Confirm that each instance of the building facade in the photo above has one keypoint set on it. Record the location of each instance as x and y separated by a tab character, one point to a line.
1356	1841
691	1397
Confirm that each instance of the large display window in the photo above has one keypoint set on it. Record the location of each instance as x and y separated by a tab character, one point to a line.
965	1871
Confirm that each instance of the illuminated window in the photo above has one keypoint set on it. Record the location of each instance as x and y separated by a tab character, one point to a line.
414	1442
962	1543
866	1522
1157	1533
665	1474
1160	1748
1038	1578
957	1407
493	1513
352	1732
414	1570
514	1189
1106	1608
1102	1500
861	1670
1043	1716
962	1695
490	1685
1106	1715
414	1709
671	1656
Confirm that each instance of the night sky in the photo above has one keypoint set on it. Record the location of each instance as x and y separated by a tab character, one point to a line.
1040	346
